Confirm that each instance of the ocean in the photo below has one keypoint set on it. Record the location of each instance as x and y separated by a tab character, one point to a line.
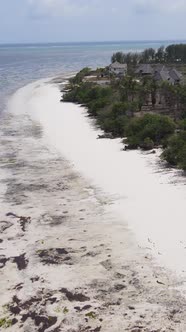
22	64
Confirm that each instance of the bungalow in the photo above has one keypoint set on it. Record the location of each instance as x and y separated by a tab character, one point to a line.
117	68
160	73
175	76
172	76
144	70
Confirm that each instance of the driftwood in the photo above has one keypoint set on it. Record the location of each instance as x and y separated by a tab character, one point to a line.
107	135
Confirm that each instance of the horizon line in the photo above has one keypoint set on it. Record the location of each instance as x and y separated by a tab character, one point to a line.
94	41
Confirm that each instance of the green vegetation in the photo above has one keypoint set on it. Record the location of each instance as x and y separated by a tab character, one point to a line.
65	310
149	131
91	315
175	153
79	77
118	108
5	322
169	55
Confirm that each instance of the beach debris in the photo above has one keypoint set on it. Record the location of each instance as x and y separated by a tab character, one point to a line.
160	283
19	286
10	214
106	135
131	307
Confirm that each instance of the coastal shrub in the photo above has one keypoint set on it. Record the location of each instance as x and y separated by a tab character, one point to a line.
80	76
96	105
155	128
147	144
182	124
87	93
175	153
115	126
118	109
91	95
132	142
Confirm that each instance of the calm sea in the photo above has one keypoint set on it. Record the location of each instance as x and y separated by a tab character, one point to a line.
21	64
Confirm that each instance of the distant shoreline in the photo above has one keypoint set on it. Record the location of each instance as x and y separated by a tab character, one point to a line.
93	42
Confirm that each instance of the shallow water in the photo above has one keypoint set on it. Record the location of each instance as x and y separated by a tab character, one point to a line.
22	64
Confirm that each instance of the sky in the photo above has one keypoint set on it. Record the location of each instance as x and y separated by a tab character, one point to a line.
24	21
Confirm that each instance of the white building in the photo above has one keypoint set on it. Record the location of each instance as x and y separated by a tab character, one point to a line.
118	68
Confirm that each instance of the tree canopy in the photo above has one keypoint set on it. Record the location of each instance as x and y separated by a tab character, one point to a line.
175	53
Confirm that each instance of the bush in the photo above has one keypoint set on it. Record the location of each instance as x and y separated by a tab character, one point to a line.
175	153
147	144
80	76
150	129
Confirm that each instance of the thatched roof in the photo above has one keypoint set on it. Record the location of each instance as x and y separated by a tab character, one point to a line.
145	69
117	65
160	72
175	75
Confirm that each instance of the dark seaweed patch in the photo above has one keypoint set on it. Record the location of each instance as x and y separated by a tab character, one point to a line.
86	307
42	322
3	261
35	279
54	256
15	310
21	262
74	296
23	222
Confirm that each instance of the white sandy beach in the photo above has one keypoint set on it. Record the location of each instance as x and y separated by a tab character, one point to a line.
150	200
103	244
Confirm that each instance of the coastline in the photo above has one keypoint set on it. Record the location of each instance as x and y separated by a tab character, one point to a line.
138	187
83	269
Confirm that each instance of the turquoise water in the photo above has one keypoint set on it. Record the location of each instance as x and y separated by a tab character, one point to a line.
21	64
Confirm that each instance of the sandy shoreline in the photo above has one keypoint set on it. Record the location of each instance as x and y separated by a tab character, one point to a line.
138	187
68	261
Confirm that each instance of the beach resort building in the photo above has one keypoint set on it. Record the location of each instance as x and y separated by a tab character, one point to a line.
144	70
119	69
160	73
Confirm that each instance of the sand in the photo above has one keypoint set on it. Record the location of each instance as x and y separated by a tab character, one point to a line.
80	226
149	199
